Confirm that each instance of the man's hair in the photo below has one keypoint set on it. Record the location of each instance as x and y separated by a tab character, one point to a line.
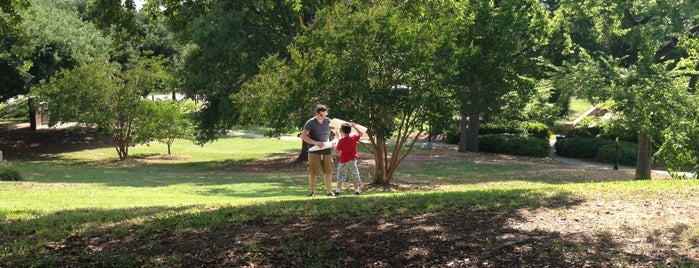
321	108
345	128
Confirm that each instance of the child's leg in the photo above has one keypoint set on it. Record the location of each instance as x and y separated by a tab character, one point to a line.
355	171
341	174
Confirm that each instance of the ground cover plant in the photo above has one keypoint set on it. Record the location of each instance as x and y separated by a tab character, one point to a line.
241	202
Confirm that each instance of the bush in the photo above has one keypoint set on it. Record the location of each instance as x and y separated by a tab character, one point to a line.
14	109
538	130
580	147
585	132
513	145
8	174
486	129
628	153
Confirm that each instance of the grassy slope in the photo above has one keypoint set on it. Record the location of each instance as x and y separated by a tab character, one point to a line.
86	195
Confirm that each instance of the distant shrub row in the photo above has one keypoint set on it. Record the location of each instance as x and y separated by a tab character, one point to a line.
513	145
8	174
600	149
534	129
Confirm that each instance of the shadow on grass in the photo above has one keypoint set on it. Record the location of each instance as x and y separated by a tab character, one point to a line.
467	229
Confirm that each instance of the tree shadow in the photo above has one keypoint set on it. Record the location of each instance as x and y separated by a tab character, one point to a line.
440	229
22	143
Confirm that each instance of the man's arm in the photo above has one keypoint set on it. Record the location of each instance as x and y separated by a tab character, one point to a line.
307	139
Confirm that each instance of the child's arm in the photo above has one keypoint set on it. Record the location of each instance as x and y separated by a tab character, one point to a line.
354	126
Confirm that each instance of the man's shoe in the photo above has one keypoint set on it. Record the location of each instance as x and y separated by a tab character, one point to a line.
330	194
357	193
312	195
337	193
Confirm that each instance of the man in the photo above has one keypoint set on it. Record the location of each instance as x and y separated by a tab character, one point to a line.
316	132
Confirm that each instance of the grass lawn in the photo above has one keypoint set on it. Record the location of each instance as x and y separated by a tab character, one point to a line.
241	203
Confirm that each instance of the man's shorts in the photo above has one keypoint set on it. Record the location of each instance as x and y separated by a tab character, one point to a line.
320	164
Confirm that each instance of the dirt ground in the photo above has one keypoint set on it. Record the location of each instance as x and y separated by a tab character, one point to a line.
602	231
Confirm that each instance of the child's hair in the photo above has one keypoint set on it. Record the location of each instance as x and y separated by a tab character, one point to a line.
345	128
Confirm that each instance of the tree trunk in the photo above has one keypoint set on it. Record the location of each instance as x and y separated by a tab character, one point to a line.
381	160
303	156
32	114
463	123
473	126
645	152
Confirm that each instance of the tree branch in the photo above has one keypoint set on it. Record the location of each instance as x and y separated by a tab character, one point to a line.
633	21
665	49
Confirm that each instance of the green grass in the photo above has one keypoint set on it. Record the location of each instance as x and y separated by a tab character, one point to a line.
577	108
88	194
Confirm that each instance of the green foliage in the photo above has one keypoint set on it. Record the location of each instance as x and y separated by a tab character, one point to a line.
53	37
514	145
628	152
9	174
369	62
14	109
580	147
584	132
681	152
537	130
634	59
105	95
166	121
232	39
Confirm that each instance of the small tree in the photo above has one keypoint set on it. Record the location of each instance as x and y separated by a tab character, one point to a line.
168	120
106	96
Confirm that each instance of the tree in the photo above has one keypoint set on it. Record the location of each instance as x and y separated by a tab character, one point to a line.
369	63
53	37
487	50
230	39
13	48
167	121
105	95
633	64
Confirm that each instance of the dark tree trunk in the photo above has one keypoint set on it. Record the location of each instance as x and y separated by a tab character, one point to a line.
303	156
473	126
645	152
32	114
463	123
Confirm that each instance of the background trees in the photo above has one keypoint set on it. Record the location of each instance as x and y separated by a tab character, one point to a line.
107	96
399	67
637	64
370	64
488	51
229	41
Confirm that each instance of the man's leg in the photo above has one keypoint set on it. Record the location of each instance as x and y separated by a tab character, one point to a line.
314	170
327	164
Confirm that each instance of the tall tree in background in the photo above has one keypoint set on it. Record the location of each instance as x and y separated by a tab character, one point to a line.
488	48
370	64
14	48
230	39
633	64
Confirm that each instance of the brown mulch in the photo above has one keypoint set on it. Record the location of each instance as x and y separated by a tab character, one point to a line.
602	231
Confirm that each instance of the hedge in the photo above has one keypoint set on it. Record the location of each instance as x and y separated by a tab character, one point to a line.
513	145
8	174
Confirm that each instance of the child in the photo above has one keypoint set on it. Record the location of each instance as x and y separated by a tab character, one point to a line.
347	147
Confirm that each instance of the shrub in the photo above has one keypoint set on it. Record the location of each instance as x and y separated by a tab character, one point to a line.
513	145
628	153
538	130
584	132
14	109
486	129
8	174
580	147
